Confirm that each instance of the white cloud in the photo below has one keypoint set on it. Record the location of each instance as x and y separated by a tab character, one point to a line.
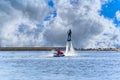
16	12
89	28
82	16
118	15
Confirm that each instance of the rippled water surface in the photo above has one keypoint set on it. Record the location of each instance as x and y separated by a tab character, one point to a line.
36	65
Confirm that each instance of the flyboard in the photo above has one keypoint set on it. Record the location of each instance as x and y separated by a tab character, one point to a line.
59	53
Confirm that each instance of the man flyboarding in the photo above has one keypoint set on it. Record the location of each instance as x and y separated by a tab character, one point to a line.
69	35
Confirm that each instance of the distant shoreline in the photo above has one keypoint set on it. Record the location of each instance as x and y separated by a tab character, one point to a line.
54	48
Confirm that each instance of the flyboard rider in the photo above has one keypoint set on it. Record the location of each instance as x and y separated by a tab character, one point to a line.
69	35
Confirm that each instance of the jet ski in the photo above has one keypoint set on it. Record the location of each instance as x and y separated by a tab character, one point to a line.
58	54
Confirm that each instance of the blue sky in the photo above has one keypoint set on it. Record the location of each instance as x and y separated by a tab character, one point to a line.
27	19
50	3
53	13
109	10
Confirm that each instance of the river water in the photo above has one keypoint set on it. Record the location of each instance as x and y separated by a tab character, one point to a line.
37	65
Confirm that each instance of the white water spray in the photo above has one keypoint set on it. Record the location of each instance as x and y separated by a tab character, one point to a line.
69	49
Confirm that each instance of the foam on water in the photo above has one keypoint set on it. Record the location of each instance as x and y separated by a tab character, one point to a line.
51	53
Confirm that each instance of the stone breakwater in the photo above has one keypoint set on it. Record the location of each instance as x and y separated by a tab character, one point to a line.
54	48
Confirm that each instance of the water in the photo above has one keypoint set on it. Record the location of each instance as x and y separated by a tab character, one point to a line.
69	49
36	65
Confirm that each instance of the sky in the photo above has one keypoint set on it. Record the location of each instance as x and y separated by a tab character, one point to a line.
37	23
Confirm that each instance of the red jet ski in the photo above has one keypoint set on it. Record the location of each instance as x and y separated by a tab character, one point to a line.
59	54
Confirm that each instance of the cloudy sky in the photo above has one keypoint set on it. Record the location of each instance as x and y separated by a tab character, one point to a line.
26	23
